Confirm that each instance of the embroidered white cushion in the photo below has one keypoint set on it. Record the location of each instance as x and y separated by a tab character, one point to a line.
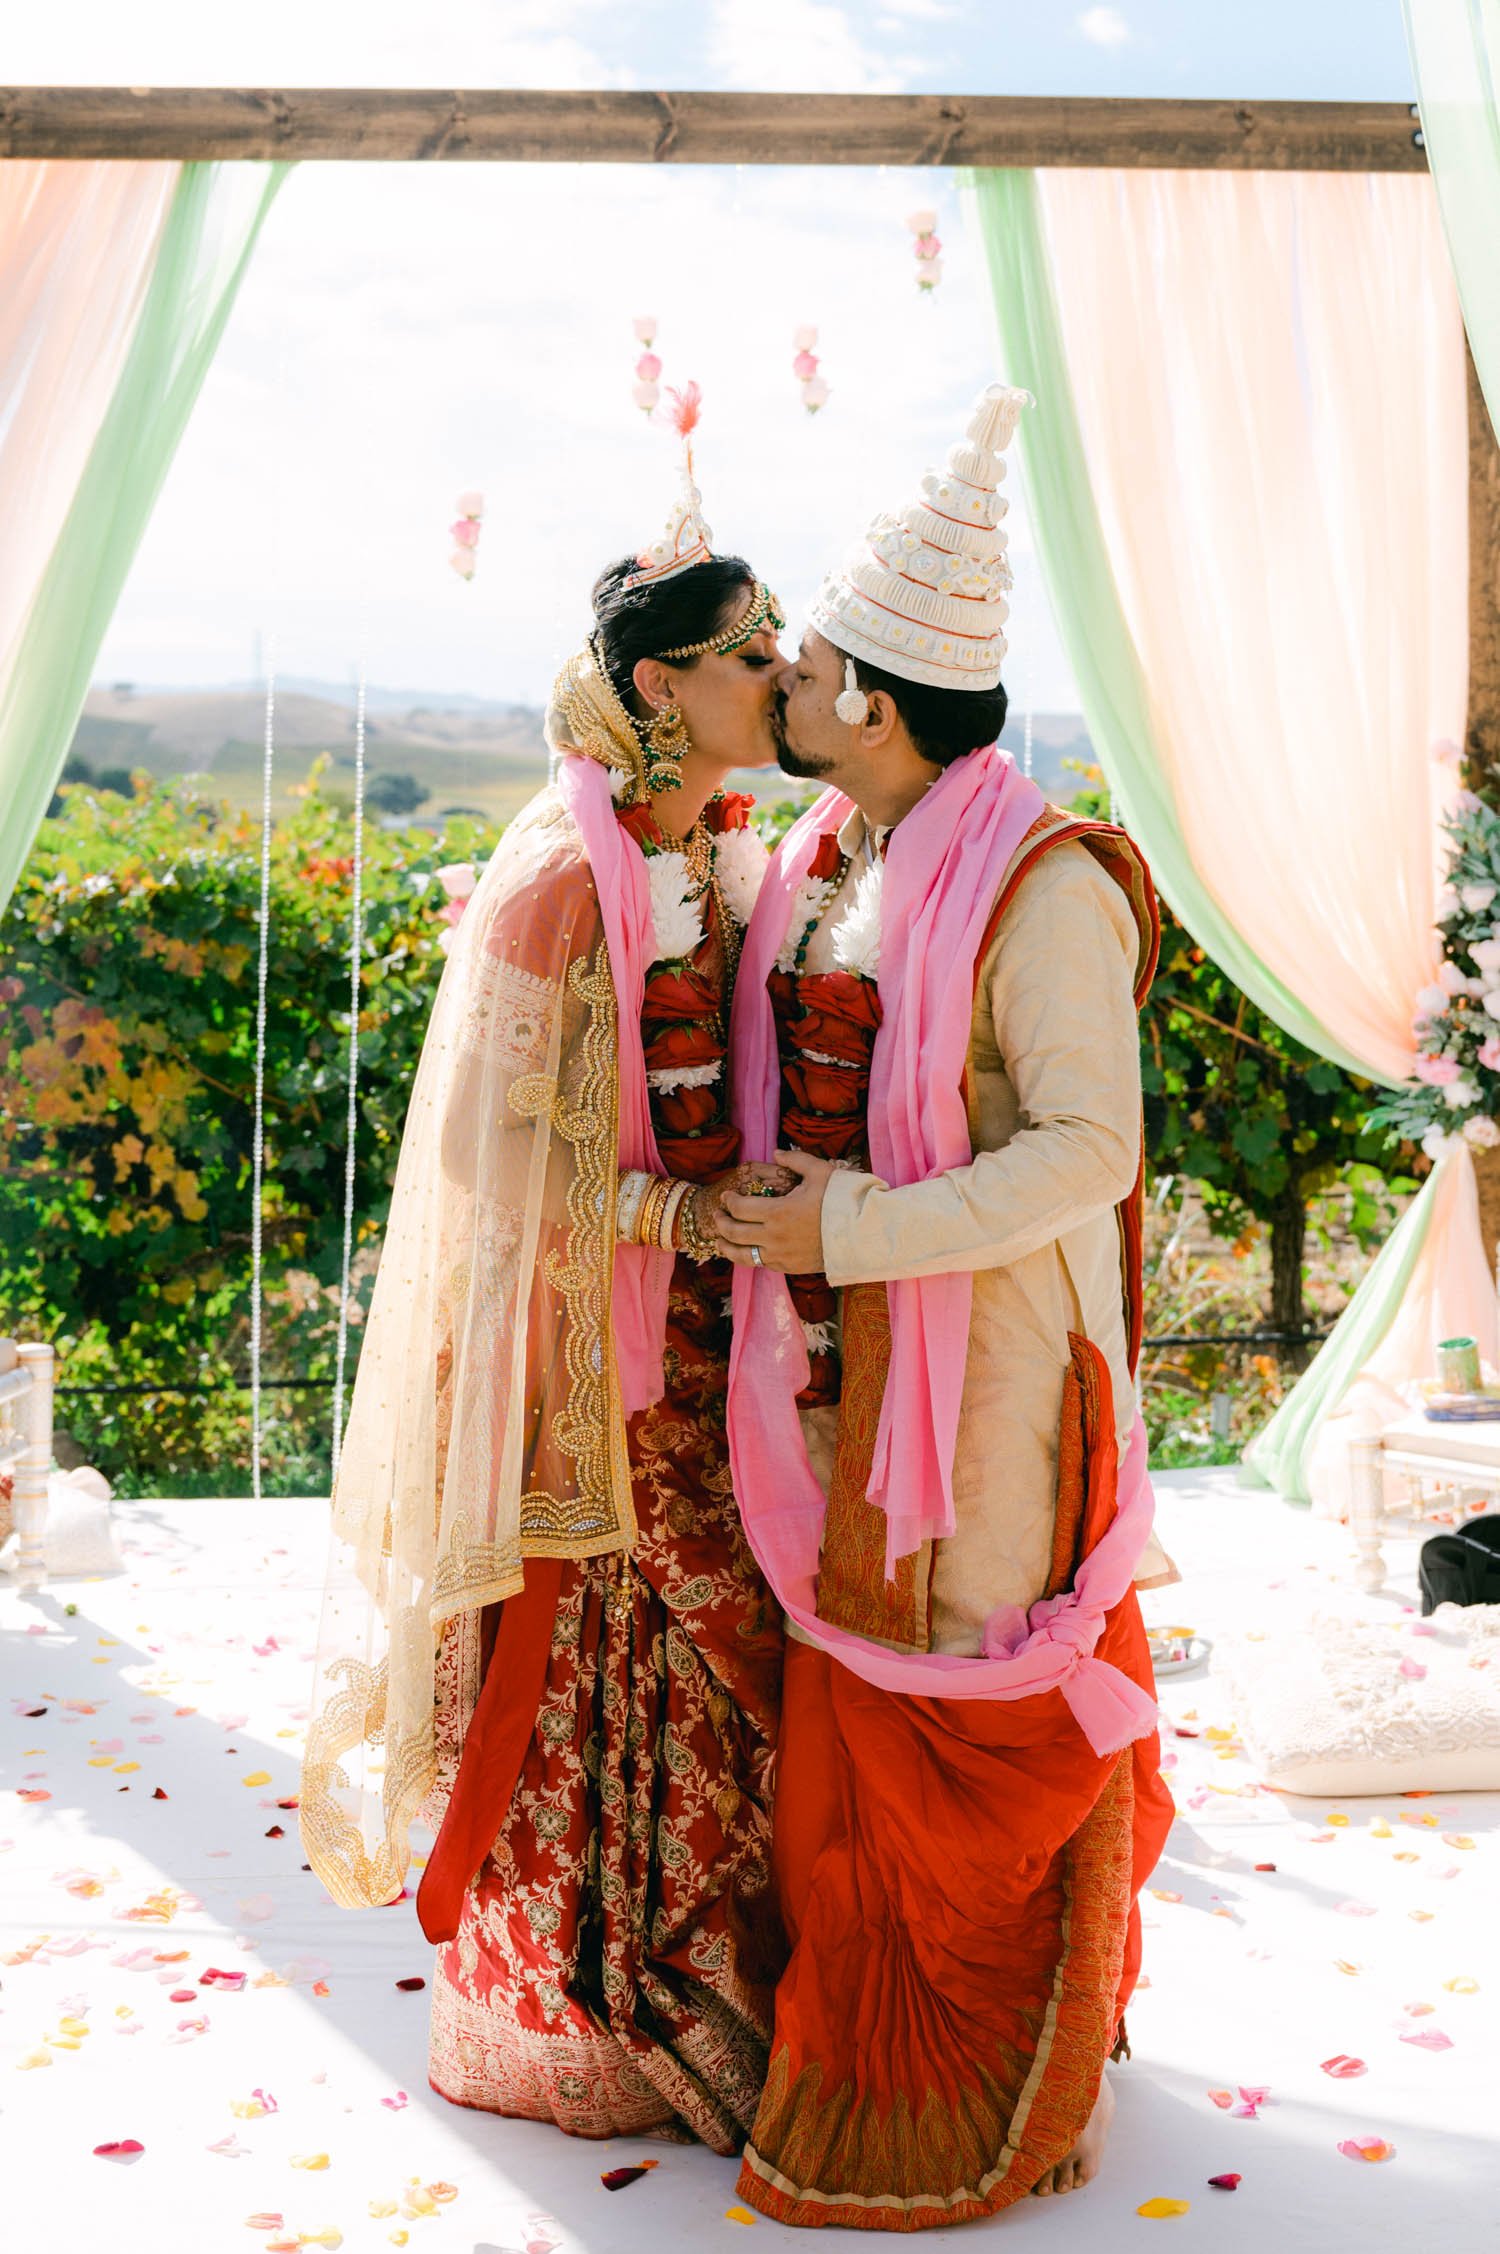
1350	1707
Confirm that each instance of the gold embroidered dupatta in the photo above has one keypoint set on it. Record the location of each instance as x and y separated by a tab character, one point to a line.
486	1422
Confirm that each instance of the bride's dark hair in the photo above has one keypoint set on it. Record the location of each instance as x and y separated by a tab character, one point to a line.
665	614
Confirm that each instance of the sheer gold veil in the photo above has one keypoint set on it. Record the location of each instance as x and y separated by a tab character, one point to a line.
486	1421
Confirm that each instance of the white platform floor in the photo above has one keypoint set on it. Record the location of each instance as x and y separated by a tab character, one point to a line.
187	1674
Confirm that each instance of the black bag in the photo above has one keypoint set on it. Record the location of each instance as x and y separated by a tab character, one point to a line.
1462	1568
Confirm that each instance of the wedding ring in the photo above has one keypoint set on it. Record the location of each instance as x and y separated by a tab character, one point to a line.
755	1256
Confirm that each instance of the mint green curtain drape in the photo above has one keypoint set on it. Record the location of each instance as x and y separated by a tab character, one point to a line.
216	215
1455	54
1085	601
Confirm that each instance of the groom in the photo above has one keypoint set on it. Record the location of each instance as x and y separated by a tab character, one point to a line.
932	1416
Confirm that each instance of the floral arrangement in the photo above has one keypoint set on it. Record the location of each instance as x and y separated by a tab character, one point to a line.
464	533
648	367
928	249
1456	1088
806	370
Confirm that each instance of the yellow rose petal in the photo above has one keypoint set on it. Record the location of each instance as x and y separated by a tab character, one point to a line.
380	2208
126	1768
1337	1820
738	2215
398	2238
1380	1829
1464	1985
1157	2210
312	2161
257	1776
101	1761
34	2058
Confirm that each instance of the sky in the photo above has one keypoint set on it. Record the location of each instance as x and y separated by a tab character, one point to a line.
407	332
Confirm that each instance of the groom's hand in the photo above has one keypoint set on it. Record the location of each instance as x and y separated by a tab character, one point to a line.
786	1231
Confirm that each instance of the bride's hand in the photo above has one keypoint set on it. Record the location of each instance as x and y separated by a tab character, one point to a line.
753	1180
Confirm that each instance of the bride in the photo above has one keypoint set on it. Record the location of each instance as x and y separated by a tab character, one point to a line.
543	1630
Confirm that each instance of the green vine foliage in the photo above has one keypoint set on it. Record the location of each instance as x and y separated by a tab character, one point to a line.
128	972
128	966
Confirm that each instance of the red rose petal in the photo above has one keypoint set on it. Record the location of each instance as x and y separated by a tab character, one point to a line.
123	2148
275	1832
1224	2183
158	1794
183	1996
1342	2067
615	2179
293	1802
1265	1866
412	1985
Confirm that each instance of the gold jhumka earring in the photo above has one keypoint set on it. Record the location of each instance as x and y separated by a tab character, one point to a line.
666	740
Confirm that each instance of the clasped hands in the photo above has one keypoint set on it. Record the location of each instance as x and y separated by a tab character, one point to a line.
776	1211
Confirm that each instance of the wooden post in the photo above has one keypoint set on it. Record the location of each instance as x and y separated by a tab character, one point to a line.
1482	730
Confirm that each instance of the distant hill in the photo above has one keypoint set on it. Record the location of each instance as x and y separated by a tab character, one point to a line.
462	750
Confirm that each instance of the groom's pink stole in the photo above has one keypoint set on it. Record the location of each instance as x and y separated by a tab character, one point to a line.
944	867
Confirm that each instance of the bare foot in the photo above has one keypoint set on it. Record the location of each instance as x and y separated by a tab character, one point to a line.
1082	2163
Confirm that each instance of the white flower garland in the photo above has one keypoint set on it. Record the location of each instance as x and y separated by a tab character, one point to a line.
676	915
856	942
811	902
669	1078
740	864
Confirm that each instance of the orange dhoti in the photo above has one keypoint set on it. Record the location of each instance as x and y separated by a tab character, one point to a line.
958	1880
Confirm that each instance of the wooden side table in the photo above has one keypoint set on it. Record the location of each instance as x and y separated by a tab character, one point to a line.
1416	1474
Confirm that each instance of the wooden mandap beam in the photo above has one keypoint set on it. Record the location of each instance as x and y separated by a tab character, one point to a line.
517	126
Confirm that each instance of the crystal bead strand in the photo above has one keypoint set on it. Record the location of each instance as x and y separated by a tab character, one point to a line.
356	956
1026	747
258	1127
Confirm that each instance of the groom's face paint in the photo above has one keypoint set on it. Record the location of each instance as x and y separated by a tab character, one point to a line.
811	740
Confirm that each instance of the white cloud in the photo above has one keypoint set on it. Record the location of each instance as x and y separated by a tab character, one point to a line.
292	43
452	326
799	47
1104	27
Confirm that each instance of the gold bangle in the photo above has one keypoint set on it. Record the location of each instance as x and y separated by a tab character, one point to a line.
645	1227
667	1225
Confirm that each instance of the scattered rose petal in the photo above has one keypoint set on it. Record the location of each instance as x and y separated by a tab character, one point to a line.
1224	2183
615	2179
183	1996
1367	2148
1265	1866
738	2215
394	2104
230	2148
1222	2098
260	2222
1343	2068
1356	1909
1428	2039
124	2148
411	1985
257	1776
1462	1986
311	2161
1157	2210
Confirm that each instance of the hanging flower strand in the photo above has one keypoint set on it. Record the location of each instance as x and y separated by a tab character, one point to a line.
464	532
805	369
928	249
648	367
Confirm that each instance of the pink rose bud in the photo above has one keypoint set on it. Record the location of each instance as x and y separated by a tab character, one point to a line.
462	560
646	396
930	275
804	339
470	504
927	246
457	879
465	532
648	367
645	327
921	222
815	394
805	366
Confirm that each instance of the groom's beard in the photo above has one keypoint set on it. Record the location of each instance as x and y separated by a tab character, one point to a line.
805	765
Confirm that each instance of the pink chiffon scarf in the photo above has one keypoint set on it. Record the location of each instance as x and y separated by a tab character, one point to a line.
944	868
643	1275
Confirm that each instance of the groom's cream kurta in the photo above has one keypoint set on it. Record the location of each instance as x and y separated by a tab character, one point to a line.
1055	1123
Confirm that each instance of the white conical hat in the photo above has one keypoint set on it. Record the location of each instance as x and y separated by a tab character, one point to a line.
923	595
